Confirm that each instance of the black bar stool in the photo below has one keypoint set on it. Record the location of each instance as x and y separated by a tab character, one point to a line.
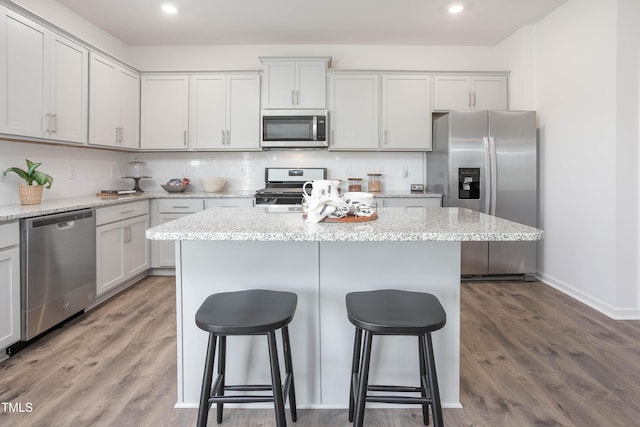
394	312
252	312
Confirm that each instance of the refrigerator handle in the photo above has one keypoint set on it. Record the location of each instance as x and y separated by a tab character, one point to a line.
487	176
494	174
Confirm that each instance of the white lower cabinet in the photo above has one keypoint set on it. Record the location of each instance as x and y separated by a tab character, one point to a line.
9	285
410	202
122	249
229	202
163	211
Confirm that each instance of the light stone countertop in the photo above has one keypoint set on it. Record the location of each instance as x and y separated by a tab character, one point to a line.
47	207
393	224
17	211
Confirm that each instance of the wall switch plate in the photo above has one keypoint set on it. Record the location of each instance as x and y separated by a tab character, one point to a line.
417	187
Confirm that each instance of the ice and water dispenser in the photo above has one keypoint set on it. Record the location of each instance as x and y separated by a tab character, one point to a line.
469	183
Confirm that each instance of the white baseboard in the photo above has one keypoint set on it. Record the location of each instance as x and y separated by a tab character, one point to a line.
631	313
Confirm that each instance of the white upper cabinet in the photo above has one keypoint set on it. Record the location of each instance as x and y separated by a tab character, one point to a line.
458	92
372	112
353	111
291	83
224	112
114	104
43	82
406	112
164	112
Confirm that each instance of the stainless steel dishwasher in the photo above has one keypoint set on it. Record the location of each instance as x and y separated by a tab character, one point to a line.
58	266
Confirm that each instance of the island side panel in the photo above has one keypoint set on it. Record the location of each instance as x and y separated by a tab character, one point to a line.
208	267
432	267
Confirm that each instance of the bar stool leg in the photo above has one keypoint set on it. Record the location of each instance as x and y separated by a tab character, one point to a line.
355	364
205	393
222	363
363	384
288	365
276	380
433	383
423	379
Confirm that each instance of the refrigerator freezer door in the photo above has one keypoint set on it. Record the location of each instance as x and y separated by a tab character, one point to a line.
515	197
467	146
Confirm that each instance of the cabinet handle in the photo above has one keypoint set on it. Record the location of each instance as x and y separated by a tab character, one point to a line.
121	135
54	123
47	122
474	100
126	212
297	97
469	93
228	137
185	138
331	137
180	207
386	137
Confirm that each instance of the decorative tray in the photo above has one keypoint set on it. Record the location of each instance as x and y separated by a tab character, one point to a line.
350	218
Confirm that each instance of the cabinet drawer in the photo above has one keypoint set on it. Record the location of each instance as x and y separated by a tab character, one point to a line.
229	202
180	205
9	234
120	212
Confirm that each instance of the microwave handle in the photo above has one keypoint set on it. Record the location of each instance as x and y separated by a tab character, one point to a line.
315	128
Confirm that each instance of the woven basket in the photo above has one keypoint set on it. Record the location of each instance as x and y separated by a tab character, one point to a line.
30	194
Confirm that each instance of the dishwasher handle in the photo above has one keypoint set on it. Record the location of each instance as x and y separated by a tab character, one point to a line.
60	219
65	225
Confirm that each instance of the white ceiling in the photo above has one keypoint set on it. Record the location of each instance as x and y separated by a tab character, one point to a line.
408	22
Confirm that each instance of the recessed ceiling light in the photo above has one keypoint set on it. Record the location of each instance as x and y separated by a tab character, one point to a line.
456	8
169	9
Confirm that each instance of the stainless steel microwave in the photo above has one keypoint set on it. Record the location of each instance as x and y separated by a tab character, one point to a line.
295	129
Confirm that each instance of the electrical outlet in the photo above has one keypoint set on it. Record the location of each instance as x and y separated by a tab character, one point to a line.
243	171
405	171
72	173
347	171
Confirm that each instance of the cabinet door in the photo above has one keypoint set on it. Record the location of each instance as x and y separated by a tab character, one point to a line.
69	90
164	112
490	93
354	112
103	100
311	87
9	297
137	245
406	112
166	255
110	262
243	112
279	84
452	93
128	109
208	112
24	71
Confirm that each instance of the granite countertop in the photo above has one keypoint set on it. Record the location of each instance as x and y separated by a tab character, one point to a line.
47	207
17	211
393	224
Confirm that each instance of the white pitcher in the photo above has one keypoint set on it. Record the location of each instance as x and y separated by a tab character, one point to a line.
322	187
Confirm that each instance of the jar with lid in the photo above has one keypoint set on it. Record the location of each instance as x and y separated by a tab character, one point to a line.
355	184
373	185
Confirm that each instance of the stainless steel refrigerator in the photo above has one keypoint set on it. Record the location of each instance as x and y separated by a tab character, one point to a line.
487	161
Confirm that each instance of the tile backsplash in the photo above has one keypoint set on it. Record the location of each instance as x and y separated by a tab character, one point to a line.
79	171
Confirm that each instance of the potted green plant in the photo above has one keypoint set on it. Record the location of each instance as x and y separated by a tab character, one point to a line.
31	194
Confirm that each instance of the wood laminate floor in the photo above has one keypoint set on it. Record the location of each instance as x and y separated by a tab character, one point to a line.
530	356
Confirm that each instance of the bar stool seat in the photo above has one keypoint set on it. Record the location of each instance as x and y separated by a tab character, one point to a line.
250	312
394	312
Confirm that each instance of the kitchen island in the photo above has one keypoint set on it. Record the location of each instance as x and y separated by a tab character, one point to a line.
226	249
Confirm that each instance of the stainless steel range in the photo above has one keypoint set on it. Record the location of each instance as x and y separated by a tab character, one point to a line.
283	186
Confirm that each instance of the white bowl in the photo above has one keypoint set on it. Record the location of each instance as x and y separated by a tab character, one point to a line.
360	197
212	184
